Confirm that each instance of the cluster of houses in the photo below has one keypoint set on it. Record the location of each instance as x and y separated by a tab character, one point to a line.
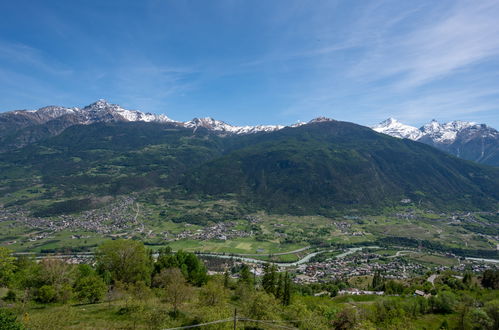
219	231
117	216
359	264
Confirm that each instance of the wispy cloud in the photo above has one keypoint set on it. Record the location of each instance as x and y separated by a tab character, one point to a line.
445	42
18	53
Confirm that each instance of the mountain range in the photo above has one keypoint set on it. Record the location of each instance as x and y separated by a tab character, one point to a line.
60	155
21	127
467	140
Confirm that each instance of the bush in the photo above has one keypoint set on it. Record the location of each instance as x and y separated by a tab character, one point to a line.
46	294
10	296
8	321
443	303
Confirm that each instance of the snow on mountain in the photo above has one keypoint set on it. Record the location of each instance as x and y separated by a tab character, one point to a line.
444	133
102	108
95	112
393	127
434	131
102	111
223	127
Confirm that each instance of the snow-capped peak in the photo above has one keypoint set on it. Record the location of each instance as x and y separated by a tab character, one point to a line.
102	107
444	133
433	131
223	127
393	127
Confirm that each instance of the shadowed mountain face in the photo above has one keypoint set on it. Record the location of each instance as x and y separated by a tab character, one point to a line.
321	167
467	140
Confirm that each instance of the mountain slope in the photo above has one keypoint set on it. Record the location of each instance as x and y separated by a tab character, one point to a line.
337	165
467	140
324	167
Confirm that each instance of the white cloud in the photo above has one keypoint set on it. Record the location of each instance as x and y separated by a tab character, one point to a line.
444	43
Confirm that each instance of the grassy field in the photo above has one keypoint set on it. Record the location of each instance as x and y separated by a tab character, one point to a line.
241	246
157	224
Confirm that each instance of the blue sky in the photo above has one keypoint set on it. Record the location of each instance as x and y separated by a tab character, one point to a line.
256	61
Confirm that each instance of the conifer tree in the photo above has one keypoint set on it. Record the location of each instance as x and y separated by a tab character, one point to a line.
279	291
269	279
226	279
286	297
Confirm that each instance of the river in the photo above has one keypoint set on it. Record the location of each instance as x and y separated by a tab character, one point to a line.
303	260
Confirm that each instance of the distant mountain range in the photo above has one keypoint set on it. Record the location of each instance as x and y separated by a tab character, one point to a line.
21	127
467	140
320	167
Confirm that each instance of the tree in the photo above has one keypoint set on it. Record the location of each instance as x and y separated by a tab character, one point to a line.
177	291
259	305
58	274
7	265
245	275
444	302
480	319
269	279
467	279
46	294
226	279
126	260
377	282
27	273
490	279
346	319
279	290
90	288
190	265
492	309
286	296
212	294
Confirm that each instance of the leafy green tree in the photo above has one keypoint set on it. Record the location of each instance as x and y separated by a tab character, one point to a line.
190	265
27	274
126	260
212	294
492	309
46	294
90	288
260	306
7	265
177	291
480	320
58	274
